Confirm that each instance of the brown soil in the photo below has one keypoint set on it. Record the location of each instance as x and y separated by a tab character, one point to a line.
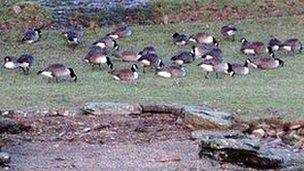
109	142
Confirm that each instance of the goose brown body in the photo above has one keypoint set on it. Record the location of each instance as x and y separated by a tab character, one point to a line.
171	71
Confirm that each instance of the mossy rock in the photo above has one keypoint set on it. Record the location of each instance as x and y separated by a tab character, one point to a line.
26	14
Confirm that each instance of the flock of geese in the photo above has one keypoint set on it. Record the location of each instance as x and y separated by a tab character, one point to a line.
205	47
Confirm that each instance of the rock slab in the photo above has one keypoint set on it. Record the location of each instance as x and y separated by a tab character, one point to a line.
240	149
207	118
105	108
195	116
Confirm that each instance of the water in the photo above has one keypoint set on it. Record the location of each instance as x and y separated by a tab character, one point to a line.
62	8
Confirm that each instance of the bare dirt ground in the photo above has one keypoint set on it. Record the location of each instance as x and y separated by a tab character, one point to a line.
112	142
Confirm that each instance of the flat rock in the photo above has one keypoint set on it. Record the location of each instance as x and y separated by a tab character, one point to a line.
207	118
199	134
162	108
5	158
103	108
249	152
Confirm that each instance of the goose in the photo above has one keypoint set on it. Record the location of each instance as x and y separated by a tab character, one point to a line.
229	31
213	53
107	43
151	60
58	71
72	37
239	69
10	63
121	31
183	58
217	66
254	48
274	44
202	49
148	50
203	37
25	62
292	45
180	39
266	63
176	71
125	74
128	56
97	56
31	36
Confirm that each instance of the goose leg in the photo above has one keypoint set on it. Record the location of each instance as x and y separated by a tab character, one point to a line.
233	38
24	70
206	76
144	69
27	71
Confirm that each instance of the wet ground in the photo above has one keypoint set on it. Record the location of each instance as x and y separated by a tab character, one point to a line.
113	142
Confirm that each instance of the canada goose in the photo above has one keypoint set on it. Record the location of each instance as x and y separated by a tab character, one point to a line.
254	48
125	74
25	62
239	69
229	31
183	58
151	60
128	56
266	63
97	56
10	62
107	43
202	49
203	37
171	71
58	71
217	66
72	37
274	44
121	31
148	50
31	36
213	53
292	45
180	39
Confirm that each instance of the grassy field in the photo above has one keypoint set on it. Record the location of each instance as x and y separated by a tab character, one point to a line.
276	92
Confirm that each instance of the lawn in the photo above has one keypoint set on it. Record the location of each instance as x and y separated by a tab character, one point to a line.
275	92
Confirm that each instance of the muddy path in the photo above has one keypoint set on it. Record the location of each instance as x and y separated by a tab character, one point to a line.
110	142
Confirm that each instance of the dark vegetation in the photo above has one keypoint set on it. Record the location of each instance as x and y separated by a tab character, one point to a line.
22	14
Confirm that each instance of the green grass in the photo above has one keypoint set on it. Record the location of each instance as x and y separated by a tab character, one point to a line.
259	94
